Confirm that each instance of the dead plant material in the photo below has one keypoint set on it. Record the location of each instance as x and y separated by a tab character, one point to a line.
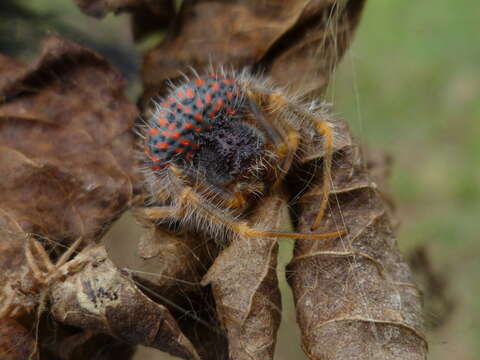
67	164
245	287
67	151
354	295
295	39
168	267
172	264
66	143
102	299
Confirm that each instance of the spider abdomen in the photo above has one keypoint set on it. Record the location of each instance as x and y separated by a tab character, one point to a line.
189	110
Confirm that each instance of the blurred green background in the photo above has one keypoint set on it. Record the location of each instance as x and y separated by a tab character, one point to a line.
410	87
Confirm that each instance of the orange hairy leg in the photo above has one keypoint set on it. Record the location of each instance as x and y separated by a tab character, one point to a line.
188	197
285	138
279	101
236	200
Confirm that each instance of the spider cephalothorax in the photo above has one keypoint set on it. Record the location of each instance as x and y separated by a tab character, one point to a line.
227	150
217	144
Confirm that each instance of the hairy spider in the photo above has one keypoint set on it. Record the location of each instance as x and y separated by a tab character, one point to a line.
219	143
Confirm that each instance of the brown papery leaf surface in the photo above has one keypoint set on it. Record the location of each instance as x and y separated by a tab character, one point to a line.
103	299
296	42
245	286
66	143
354	295
67	164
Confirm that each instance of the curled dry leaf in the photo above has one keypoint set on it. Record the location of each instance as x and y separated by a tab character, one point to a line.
101	298
309	51
83	344
295	39
354	295
67	165
9	68
66	143
245	287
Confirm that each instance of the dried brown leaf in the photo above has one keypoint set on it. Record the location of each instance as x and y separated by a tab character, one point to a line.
66	151
354	295
294	39
305	56
152	16
66	143
168	267
245	287
101	298
16	282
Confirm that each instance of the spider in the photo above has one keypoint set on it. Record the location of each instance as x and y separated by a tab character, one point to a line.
219	143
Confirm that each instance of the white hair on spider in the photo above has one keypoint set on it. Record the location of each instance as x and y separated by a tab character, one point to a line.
218	143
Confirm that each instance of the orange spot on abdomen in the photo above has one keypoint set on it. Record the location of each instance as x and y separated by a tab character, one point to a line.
190	93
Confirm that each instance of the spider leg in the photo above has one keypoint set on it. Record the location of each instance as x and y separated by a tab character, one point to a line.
286	141
189	197
38	273
325	129
51	269
64	259
272	133
286	152
160	212
232	199
279	101
66	255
